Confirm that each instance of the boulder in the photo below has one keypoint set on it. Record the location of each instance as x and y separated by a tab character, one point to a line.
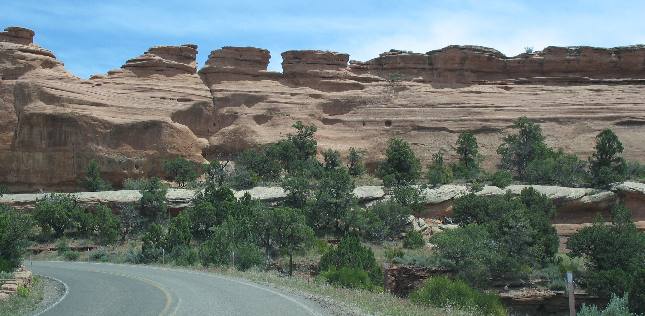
9	287
4	296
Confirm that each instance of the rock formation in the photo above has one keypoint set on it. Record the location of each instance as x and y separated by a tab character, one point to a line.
158	105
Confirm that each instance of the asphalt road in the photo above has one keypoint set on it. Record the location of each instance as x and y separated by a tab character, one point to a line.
115	289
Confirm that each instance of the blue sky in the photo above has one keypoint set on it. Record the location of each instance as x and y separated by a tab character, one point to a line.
95	36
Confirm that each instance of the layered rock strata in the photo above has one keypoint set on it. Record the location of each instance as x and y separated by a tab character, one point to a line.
158	106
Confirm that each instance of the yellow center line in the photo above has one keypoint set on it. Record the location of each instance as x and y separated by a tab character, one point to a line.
168	296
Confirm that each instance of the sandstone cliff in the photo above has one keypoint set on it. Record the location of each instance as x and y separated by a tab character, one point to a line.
158	105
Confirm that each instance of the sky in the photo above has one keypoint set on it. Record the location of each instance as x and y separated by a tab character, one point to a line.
93	37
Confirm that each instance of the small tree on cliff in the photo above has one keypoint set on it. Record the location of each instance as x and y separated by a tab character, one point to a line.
401	165
606	164
355	165
93	181
180	170
469	158
152	204
519	149
291	232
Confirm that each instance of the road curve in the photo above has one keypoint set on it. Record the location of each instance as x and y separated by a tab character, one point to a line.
119	289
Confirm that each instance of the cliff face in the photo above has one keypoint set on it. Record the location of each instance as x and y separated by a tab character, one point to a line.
158	105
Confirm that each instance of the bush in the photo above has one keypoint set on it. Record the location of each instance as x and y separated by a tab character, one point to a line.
152	204
71	255
153	242
384	220
615	257
557	168
248	255
618	306
22	291
134	184
332	159
54	212
93	181
351	254
108	226
444	292
259	163
352	278
184	255
438	172
100	255
501	179
401	165
180	170
413	240
334	198
216	250
178	235
15	231
131	221
242	179
635	171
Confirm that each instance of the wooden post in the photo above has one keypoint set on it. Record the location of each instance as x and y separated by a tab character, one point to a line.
570	290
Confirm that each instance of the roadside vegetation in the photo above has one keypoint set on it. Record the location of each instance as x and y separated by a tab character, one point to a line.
320	239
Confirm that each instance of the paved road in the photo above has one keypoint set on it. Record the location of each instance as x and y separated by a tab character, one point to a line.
115	289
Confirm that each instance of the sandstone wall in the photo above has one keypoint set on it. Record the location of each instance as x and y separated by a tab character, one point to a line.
158	105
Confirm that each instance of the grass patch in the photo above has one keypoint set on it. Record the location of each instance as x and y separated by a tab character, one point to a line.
26	303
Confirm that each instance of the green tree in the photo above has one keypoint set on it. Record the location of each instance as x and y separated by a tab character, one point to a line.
355	165
178	235
615	256
15	231
501	179
351	254
468	166
303	141
606	164
152	204
557	168
332	159
519	149
385	220
107	225
153	243
400	165
413	240
444	292
54	213
93	181
334	198
438	172
292	234
259	163
180	170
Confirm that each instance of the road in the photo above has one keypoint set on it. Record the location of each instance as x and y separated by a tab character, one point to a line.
116	289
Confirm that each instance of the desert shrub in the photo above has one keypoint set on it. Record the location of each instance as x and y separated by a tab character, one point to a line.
468	166
333	199
413	240
15	231
355	165
180	170
62	246
393	252
352	278
134	184
501	178
331	159
385	220
286	230
131	222
247	255
615	256
184	255
23	291
108	226
216	250
54	213
606	164
635	171
153	242
152	204
203	216
178	234
83	221
71	255
444	292
438	172
100	255
242	179
298	188
557	168
400	165
259	163
517	150
351	254
93	181
618	306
